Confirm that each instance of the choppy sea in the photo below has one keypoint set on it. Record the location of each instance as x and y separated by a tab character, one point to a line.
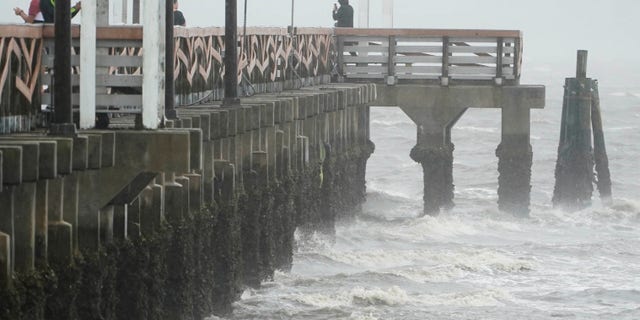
474	262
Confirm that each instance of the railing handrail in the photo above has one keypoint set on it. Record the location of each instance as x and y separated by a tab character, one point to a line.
461	33
30	31
134	32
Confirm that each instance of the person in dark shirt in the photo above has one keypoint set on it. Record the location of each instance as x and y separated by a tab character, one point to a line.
48	9
178	17
343	15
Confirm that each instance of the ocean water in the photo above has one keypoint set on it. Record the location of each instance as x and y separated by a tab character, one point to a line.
474	262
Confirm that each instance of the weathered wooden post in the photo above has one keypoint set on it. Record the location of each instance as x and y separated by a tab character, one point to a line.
599	150
574	167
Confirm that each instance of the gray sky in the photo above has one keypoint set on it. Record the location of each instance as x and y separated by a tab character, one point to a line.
553	29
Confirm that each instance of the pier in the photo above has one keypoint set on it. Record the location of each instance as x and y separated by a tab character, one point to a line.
148	216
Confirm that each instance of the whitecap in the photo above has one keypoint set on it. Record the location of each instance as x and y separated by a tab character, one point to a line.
378	297
484	298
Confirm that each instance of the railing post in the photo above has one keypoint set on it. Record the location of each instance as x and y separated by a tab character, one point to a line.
170	89
391	64
153	41
63	114
88	65
517	51
499	53
340	57
444	78
231	54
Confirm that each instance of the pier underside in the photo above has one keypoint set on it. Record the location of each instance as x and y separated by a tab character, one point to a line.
435	110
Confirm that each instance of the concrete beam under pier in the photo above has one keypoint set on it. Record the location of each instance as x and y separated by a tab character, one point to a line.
428	96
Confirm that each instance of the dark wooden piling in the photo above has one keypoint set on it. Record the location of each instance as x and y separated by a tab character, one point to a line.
603	175
575	164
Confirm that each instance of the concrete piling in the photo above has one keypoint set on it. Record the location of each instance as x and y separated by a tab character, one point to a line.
5	260
42	221
173	200
515	160
70	204
24	226
120	222
186	195
196	194
7	226
438	186
106	224
60	243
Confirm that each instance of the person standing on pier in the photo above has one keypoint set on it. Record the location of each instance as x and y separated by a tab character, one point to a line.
34	15
343	15
48	9
178	17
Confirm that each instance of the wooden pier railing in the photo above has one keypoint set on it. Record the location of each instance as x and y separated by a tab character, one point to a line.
397	55
270	60
20	64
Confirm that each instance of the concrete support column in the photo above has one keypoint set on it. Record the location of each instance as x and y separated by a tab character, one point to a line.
106	224
24	213
174	200
7	225
5	260
279	155
120	222
437	163
158	205
218	167
208	172
186	195
147	216
42	220
59	233
88	228
227	191
261	167
515	160
134	221
434	151
70	205
195	191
